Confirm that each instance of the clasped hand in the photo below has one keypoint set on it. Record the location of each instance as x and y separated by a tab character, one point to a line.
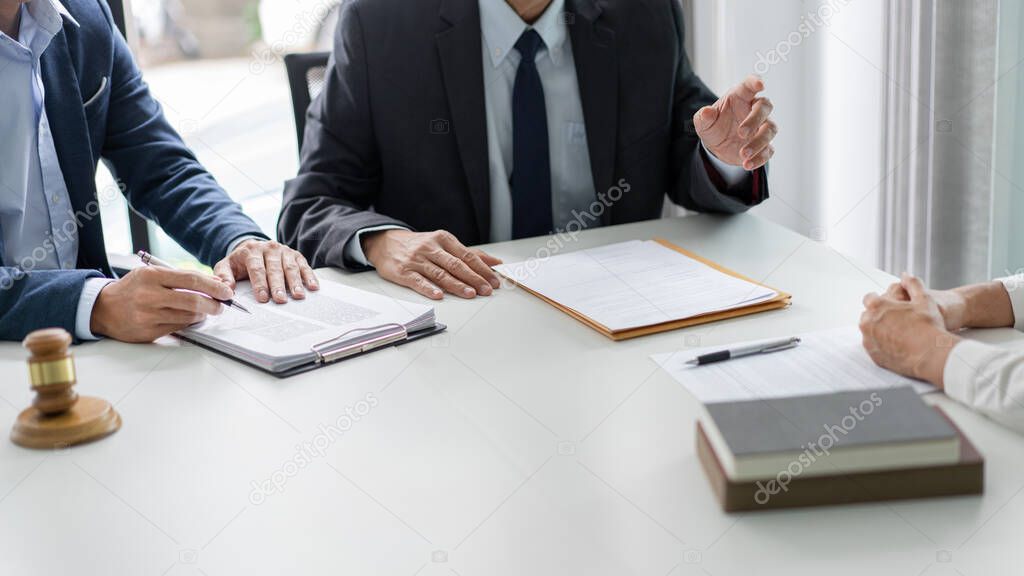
911	330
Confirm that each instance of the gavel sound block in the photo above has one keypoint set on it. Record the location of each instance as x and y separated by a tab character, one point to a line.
59	417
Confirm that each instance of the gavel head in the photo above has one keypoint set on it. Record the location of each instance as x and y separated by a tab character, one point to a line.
52	370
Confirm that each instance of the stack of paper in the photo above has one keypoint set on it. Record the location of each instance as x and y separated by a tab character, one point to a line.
623	287
824	362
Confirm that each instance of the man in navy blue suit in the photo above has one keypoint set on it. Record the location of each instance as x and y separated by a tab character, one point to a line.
72	95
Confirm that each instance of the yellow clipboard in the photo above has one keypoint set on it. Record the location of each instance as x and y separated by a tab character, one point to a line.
781	300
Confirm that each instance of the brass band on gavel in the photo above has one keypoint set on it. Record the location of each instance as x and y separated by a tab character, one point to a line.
51	370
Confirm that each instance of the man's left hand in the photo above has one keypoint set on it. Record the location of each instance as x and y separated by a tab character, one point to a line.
909	335
274	270
738	129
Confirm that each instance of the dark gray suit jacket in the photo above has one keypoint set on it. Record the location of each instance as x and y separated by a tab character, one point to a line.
398	135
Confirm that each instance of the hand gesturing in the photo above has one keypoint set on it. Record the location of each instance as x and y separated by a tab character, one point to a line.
738	129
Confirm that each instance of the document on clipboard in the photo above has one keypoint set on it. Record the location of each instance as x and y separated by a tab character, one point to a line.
639	287
329	325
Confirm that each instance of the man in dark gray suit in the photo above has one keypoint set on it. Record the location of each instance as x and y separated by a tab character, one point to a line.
449	123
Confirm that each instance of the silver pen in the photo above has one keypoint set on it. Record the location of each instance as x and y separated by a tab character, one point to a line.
150	260
762	348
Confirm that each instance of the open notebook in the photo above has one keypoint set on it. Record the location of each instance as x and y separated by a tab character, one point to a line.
639	287
331	324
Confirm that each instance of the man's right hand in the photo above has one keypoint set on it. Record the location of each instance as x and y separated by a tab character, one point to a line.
147	303
431	263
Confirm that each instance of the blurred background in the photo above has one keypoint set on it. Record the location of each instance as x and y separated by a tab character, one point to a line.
900	119
216	67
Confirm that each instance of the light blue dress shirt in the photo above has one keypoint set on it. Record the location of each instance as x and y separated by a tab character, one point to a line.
36	216
572	183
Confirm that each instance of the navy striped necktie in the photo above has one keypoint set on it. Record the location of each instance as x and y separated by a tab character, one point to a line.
531	173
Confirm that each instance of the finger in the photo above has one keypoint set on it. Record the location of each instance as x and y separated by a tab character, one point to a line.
759	113
461	271
487	258
308	276
469	267
483	269
705	122
896	292
871	300
760	160
750	87
195	281
189	302
256	269
275	274
705	119
914	287
417	282
865	325
223	271
292	276
761	140
441	277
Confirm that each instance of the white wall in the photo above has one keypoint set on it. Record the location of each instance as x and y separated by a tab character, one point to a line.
826	83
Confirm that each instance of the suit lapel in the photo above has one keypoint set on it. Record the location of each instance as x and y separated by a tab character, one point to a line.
66	117
461	48
597	72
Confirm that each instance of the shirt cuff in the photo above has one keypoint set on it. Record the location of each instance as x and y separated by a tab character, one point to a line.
354	246
732	175
234	243
86	300
1015	288
963	368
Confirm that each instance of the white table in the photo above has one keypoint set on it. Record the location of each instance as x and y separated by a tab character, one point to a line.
521	442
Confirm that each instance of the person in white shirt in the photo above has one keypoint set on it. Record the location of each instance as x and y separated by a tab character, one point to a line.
913	331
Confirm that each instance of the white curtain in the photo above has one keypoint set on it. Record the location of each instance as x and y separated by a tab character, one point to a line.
939	107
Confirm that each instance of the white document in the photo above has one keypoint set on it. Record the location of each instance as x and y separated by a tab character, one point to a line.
824	362
281	336
634	284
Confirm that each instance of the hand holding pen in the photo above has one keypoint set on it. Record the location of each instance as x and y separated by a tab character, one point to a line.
150	260
150	302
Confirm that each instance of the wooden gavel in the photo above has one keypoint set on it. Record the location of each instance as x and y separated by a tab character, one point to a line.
58	417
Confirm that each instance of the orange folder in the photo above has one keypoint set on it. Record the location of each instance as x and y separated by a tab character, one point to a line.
781	300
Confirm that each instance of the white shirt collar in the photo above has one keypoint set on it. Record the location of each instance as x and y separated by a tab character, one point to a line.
502	27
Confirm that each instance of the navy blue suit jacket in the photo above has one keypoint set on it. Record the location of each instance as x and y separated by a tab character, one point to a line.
125	127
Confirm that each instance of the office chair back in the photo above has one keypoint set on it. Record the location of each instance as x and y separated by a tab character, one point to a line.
306	74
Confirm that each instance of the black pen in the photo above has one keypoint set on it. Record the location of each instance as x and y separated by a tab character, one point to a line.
763	348
150	260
